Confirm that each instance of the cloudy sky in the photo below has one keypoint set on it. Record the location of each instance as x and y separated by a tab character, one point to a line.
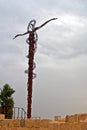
61	57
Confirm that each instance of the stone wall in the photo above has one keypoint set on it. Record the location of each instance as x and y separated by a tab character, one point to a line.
70	122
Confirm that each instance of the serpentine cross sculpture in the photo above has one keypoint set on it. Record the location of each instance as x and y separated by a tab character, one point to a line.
32	42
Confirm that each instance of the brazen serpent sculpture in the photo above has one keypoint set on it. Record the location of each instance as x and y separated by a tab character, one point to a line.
32	42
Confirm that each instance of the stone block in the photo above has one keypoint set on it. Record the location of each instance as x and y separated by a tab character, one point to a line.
45	123
13	128
42	129
65	126
3	123
82	117
2	116
35	128
22	128
16	123
54	126
76	126
83	125
37	123
51	127
57	118
3	128
29	123
71	118
8	122
9	128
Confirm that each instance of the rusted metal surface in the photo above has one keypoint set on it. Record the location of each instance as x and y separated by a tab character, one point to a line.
32	42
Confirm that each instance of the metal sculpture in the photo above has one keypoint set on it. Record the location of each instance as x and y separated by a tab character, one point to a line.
32	42
19	113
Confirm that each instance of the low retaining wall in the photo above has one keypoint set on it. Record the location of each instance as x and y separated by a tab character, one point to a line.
70	122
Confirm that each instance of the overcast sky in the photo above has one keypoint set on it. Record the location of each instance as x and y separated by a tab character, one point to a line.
60	87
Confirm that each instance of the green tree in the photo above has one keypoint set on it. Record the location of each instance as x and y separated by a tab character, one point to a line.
6	101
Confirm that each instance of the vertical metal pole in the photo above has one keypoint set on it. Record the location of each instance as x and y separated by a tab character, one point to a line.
30	73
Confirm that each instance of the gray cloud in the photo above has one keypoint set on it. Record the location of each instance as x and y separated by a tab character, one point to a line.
70	39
